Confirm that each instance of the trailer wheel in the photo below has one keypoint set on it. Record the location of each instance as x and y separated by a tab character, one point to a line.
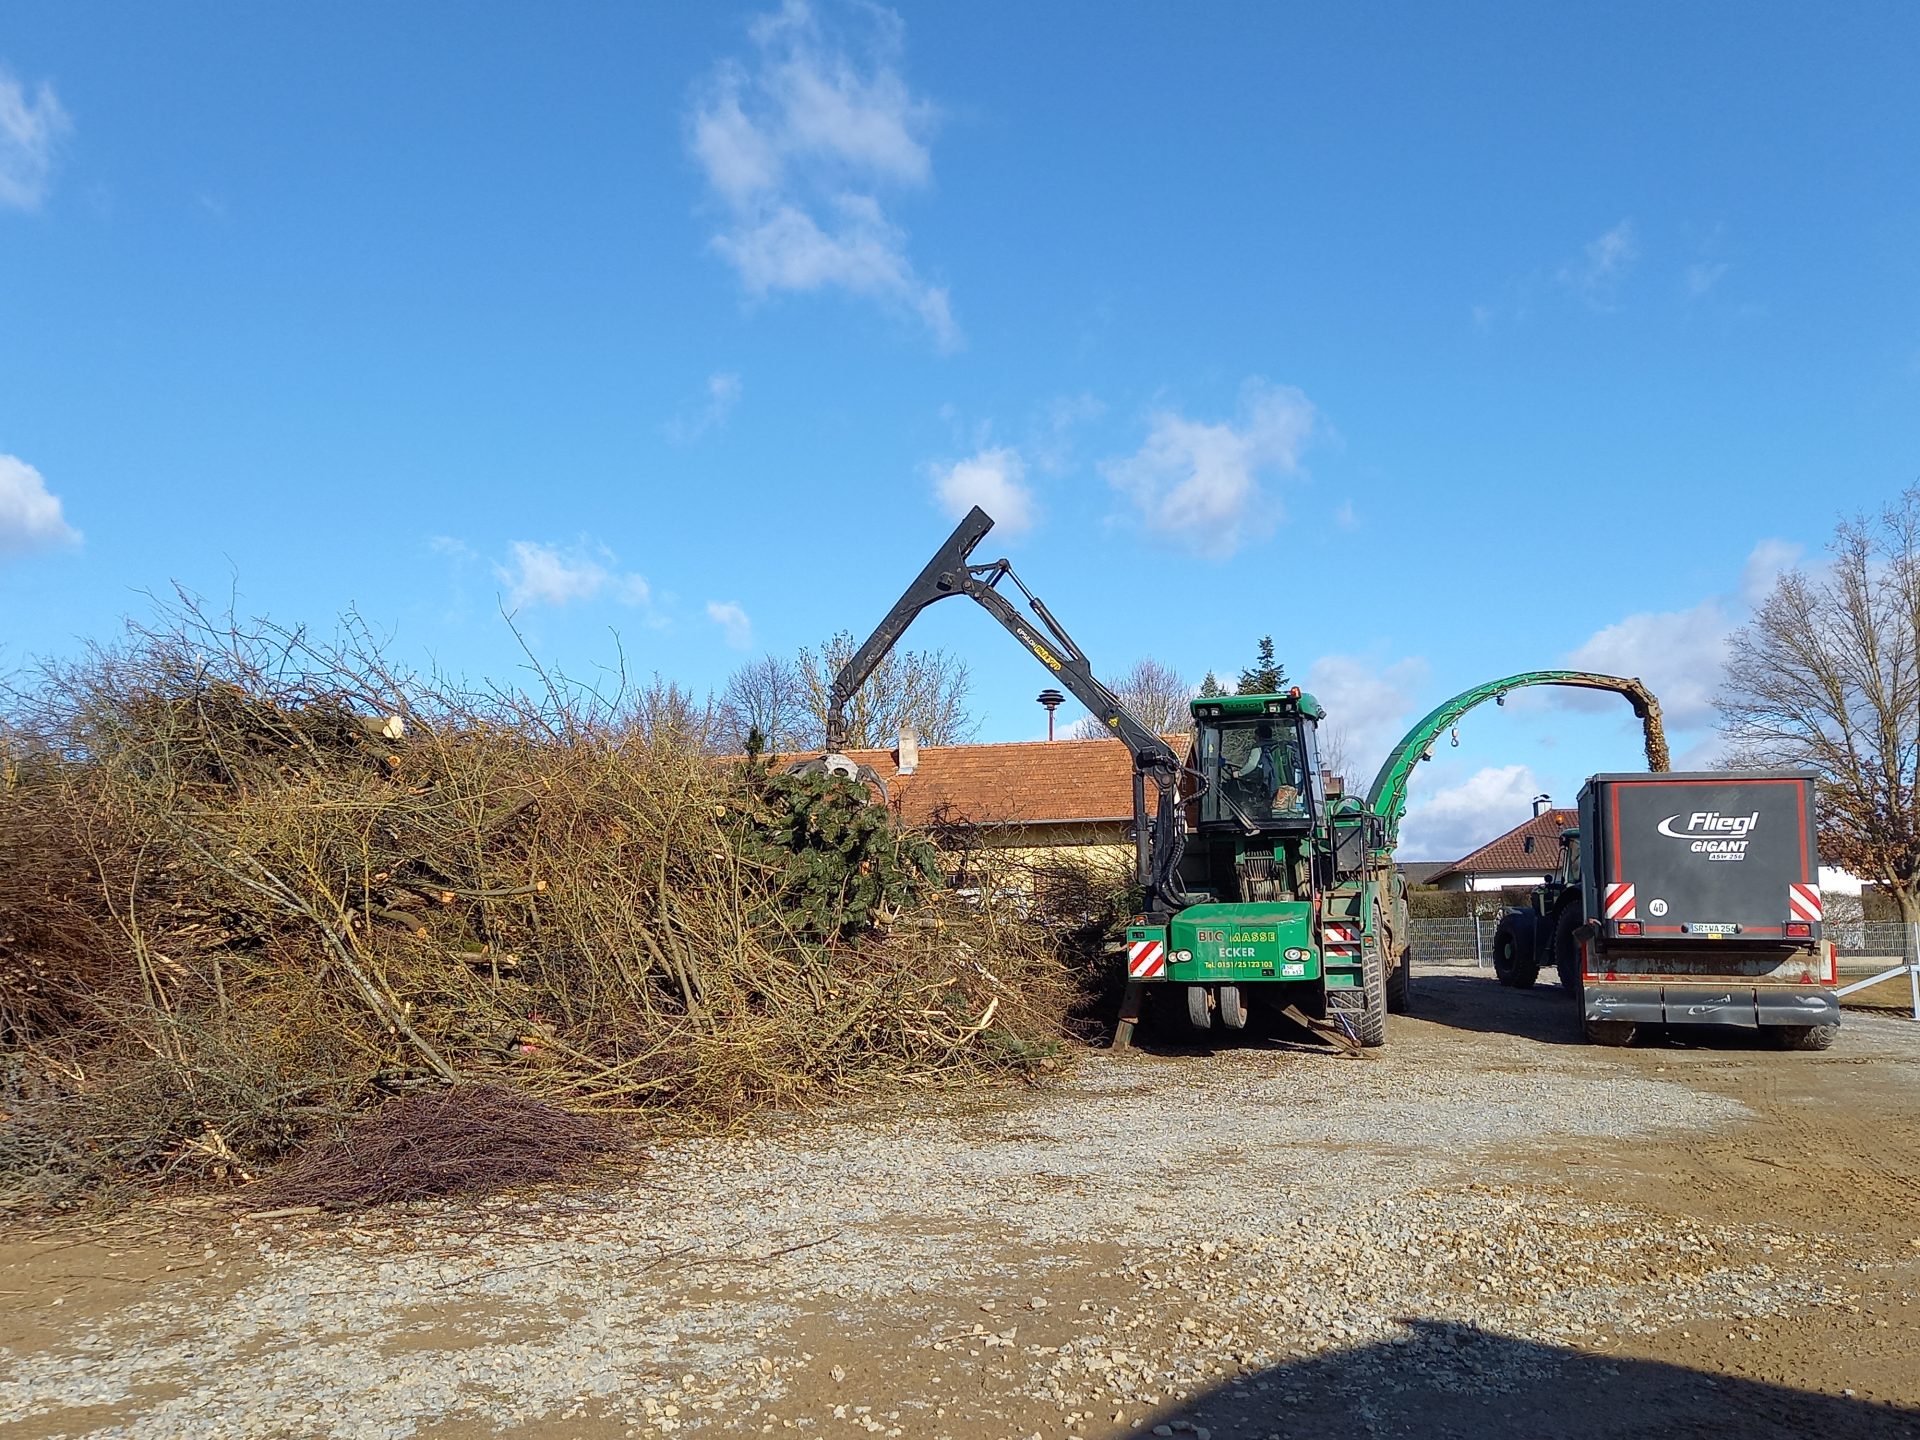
1233	1014
1199	1014
1372	1026
1514	961
1610	1032
1566	950
1400	986
1805	1037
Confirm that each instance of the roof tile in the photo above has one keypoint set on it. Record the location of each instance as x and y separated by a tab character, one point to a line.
1027	782
1509	853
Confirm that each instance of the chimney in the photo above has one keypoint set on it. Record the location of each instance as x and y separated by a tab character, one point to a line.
1541	804
906	756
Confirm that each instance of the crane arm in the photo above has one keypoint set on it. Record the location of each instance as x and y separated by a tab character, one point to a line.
951	572
1388	797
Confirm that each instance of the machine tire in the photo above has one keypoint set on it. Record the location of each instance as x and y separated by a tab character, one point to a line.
1805	1037
1233	1011
1514	962
1566	950
1372	1026
1611	1032
1400	986
1199	1014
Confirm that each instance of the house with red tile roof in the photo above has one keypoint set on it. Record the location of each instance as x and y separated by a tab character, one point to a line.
1038	794
1518	858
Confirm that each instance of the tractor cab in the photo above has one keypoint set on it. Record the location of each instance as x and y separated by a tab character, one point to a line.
1555	884
1259	763
1261	796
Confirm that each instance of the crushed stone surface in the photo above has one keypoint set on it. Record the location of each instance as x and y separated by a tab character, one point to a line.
1074	1260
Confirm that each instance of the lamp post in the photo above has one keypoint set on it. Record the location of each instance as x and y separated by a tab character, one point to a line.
1053	700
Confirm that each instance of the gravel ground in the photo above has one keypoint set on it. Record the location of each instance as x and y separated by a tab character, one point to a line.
1110	1255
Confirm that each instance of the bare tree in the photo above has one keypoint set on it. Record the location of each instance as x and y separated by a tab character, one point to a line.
1826	676
1155	693
926	689
1336	750
665	712
766	695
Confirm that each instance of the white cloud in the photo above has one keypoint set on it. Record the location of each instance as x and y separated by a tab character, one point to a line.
1602	265
30	516
796	145
1345	517
995	480
31	129
1458	819
1369	701
1682	654
722	394
540	574
1199	481
1770	559
733	622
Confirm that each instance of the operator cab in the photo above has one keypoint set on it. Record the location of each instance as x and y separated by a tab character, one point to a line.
1258	761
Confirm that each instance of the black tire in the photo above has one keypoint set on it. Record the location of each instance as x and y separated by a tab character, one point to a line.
1805	1037
1566	950
1199	1013
1372	1021
1611	1032
1233	1010
1400	986
1515	962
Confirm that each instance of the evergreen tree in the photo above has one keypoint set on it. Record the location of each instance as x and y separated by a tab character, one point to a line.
1211	686
1266	676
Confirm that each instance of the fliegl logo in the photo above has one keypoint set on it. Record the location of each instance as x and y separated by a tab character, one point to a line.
1724	837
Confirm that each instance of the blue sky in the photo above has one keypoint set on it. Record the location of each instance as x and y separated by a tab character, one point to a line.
1439	342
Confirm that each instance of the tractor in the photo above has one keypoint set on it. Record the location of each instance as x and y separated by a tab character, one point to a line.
1541	933
1262	883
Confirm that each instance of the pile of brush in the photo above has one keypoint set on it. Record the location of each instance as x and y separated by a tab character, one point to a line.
252	886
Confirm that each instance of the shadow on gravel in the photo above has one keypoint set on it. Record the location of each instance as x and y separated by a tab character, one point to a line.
1164	1030
1456	1382
1474	1000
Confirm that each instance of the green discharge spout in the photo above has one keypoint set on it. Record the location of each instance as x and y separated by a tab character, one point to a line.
1388	797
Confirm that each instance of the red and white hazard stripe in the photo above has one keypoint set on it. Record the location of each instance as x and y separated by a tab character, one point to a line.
1617	903
1803	902
1146	959
1340	940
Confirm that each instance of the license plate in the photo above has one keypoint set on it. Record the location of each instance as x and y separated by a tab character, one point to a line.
1296	968
1713	929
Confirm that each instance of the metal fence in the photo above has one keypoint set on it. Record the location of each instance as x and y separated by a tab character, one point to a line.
1867	937
1470	942
1452	942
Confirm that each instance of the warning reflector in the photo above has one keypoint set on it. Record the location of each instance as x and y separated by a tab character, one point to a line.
1617	903
1146	959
